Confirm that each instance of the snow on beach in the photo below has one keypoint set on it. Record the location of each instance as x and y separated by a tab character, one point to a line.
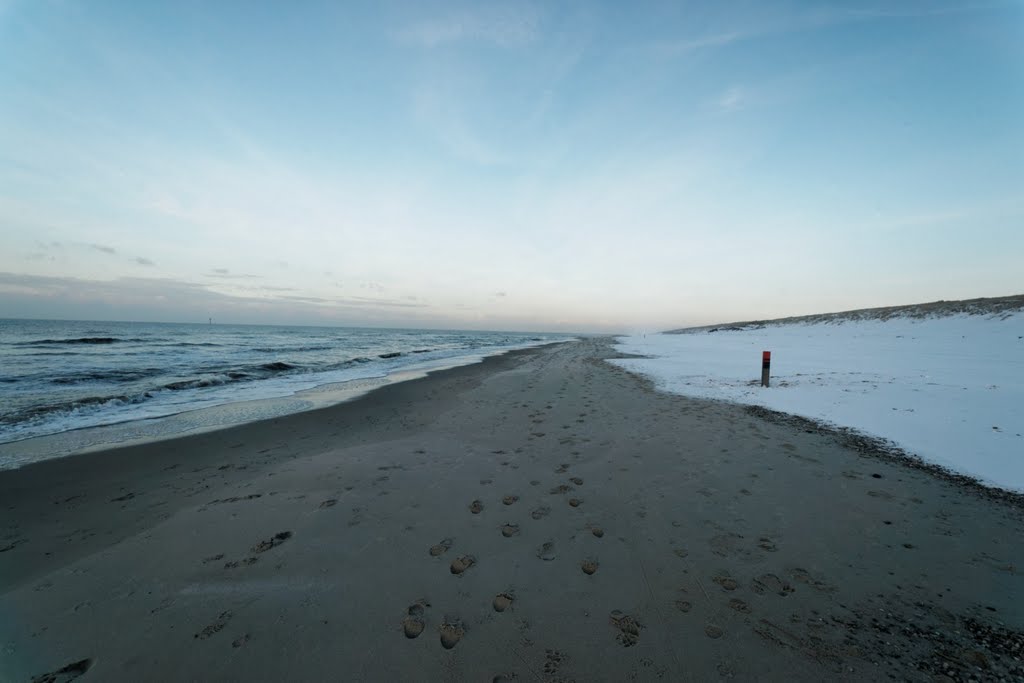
948	389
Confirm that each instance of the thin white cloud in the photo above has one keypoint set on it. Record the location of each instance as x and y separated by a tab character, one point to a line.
731	100
814	19
440	112
129	293
224	273
686	45
502	24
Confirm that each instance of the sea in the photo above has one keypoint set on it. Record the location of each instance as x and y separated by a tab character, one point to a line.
68	386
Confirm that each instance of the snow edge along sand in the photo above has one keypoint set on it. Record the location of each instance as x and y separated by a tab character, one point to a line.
947	391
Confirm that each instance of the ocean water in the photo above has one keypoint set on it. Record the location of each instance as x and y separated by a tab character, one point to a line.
59	376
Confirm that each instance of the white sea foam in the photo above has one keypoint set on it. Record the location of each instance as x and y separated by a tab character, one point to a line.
124	382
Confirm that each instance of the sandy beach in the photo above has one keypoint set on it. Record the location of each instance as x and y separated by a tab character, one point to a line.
540	516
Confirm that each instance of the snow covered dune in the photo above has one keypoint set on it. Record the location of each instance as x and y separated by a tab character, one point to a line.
949	389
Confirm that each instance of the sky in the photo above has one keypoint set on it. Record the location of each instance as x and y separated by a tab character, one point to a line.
580	166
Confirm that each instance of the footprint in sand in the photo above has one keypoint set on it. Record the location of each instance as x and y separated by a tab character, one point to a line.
803	576
461	564
65	674
597	531
441	548
278	539
724	545
562	468
547	551
561	488
540	512
589	566
767	544
628	627
726	582
575	502
509	530
412	624
712	631
509	500
769	583
684	605
502	601
476	507
577	481
329	503
739	606
451	634
552	661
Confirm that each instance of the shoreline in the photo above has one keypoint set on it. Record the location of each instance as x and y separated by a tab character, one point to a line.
542	514
125	462
138	431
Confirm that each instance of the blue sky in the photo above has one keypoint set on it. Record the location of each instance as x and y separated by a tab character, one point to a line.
581	166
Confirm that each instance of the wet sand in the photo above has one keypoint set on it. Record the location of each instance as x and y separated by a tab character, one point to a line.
541	516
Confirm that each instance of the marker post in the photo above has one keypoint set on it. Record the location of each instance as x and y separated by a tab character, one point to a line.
766	364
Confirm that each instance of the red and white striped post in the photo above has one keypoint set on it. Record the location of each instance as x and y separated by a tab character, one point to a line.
766	364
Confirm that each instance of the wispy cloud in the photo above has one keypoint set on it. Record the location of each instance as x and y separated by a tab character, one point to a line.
503	24
104	248
781	23
441	112
226	274
168	295
731	100
143	261
686	45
